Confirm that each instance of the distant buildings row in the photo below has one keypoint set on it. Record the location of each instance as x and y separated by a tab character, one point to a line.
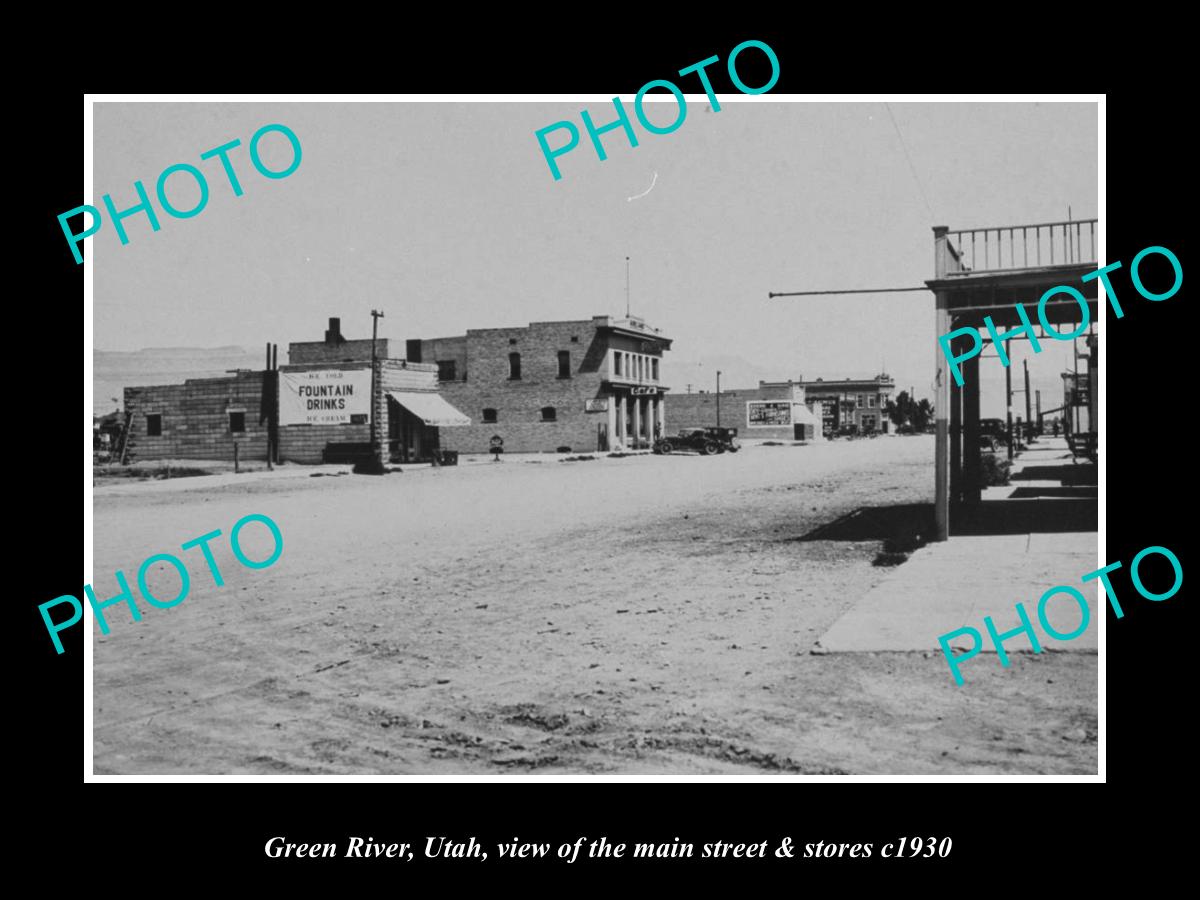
586	385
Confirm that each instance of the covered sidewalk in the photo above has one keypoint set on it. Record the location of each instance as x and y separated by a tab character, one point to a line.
987	272
1026	546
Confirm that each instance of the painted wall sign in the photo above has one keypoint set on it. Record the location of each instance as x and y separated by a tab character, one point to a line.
768	414
324	397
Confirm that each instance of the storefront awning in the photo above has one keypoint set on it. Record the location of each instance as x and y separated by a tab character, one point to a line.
430	408
802	415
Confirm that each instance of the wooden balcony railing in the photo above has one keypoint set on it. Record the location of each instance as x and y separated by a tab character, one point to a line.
972	251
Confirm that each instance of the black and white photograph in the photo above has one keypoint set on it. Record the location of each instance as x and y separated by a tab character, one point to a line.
684	436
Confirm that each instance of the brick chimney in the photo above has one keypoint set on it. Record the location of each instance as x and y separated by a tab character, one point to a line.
333	334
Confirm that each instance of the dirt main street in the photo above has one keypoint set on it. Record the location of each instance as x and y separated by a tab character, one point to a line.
647	615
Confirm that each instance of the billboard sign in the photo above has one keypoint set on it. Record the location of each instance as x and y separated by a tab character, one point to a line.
768	414
325	397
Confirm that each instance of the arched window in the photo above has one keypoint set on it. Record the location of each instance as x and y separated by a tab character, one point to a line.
514	367
489	415
549	414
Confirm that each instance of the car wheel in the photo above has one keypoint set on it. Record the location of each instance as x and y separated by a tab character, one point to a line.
665	447
710	447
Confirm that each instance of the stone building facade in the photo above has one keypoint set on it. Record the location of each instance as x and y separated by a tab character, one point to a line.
587	385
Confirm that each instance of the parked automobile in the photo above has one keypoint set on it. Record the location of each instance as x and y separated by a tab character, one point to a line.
704	440
993	434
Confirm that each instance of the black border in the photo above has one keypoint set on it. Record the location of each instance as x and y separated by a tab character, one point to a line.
994	826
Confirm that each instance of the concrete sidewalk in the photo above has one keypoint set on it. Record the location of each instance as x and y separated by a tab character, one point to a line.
955	583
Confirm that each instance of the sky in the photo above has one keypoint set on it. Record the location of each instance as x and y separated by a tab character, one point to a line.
446	217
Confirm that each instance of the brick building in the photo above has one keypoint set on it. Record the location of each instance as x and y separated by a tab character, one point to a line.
852	405
320	405
203	418
591	384
771	411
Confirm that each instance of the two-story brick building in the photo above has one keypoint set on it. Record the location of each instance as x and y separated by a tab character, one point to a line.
591	384
851	405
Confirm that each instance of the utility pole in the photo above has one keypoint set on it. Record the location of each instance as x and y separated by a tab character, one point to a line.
718	398
1008	393
1075	388
1039	411
376	450
1028	404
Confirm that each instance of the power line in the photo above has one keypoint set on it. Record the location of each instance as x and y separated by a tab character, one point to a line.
911	167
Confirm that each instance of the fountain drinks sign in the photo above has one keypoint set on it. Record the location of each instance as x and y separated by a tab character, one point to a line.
324	397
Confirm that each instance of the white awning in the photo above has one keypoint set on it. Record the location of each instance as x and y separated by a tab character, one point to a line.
430	408
802	415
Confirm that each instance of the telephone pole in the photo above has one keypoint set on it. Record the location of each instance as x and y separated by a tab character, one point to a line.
1028	404
376	448
1008	393
718	398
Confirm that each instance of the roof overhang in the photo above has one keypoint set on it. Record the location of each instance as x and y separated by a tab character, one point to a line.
430	408
638	335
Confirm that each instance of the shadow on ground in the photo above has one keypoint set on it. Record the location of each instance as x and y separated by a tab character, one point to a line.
1047	515
1066	474
902	527
905	527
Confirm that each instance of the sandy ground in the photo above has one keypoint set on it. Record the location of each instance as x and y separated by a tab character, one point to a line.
646	615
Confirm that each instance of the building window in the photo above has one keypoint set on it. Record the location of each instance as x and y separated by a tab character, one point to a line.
512	341
574	339
616	362
154	425
549	414
654	369
871	401
489	415
237	422
862	401
564	363
446	370
514	367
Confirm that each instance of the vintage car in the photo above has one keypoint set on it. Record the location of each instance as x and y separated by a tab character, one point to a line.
704	440
993	434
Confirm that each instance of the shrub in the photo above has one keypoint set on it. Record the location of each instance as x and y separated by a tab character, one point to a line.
994	470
